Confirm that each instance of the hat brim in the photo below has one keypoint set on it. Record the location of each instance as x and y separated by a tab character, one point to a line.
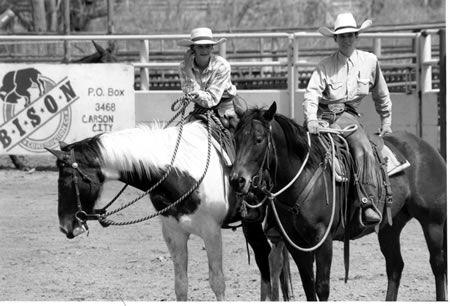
188	42
329	33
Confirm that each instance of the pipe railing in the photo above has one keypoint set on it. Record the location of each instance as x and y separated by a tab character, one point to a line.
291	41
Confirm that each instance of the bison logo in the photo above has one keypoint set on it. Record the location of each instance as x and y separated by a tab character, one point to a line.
18	85
21	91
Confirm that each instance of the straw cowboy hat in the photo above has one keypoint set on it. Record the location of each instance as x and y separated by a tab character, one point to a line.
345	23
200	36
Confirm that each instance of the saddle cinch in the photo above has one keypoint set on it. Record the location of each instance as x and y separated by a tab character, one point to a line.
390	162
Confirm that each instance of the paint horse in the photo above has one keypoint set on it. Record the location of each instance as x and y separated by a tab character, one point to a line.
309	215
189	188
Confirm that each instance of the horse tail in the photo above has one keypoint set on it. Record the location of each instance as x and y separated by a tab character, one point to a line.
285	277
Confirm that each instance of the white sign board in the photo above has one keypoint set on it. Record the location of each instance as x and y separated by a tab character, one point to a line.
42	104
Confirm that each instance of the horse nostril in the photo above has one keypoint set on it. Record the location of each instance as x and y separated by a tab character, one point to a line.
241	182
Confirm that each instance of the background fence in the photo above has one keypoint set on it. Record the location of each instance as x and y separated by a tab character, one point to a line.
266	67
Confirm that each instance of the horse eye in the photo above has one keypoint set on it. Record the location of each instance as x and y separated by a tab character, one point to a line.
259	140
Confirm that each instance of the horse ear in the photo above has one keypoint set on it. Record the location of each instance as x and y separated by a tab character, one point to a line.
112	46
62	145
59	154
268	115
99	48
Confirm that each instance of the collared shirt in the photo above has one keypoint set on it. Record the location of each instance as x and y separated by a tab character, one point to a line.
211	85
339	79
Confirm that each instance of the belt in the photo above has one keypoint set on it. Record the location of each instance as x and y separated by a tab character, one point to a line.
338	108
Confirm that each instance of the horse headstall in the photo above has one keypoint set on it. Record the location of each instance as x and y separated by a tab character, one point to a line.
67	159
262	179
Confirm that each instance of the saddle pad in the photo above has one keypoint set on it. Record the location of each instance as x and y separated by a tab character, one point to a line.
393	164
220	140
222	152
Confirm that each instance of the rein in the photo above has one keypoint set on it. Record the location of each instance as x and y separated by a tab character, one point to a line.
101	214
271	196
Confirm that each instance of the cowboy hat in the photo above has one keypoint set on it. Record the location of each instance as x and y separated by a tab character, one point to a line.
200	36
345	23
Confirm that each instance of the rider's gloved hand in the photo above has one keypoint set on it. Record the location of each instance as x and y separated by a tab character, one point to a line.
313	126
385	130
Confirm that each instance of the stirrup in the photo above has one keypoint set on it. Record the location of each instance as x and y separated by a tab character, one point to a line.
364	207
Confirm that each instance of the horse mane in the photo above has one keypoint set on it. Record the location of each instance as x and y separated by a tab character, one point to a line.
296	137
146	151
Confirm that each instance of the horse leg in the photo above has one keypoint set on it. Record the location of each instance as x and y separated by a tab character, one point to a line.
176	241
304	262
213	245
324	256
389	239
276	265
285	277
255	236
435	238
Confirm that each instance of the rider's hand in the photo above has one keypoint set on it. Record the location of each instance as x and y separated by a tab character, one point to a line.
385	130
313	126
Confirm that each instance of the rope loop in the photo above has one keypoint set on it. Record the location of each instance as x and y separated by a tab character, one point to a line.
102	218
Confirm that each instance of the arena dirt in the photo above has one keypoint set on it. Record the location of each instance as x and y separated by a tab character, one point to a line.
131	263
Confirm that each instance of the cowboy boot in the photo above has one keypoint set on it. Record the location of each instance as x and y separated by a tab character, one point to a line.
371	214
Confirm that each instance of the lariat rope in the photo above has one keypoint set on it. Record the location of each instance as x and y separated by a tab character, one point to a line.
180	104
271	196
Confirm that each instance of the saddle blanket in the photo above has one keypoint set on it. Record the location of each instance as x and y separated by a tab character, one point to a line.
222	152
393	165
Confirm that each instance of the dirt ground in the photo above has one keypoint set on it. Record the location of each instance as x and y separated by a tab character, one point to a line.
131	263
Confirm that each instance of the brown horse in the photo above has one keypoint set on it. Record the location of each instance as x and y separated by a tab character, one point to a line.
269	141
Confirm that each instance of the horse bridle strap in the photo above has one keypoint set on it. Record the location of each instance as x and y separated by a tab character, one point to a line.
81	215
265	165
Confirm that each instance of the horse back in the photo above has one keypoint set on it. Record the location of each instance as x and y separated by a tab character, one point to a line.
425	179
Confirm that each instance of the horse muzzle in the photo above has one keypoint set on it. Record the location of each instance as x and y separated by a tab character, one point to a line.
239	183
74	231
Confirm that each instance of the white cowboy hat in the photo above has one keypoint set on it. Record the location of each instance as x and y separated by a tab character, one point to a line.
345	23
200	36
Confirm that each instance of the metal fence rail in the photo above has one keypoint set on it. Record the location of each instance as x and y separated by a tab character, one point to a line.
288	67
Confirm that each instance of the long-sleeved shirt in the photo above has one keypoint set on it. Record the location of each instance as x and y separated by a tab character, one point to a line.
211	85
341	79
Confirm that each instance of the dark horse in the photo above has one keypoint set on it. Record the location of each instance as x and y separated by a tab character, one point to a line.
270	140
101	55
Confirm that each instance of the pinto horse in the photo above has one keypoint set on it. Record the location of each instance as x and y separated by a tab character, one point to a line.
309	223
168	167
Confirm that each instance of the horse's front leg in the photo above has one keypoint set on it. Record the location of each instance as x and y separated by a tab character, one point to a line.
213	244
304	262
176	241
254	234
324	256
276	266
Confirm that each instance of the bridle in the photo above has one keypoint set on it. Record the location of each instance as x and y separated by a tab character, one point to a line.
81	215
